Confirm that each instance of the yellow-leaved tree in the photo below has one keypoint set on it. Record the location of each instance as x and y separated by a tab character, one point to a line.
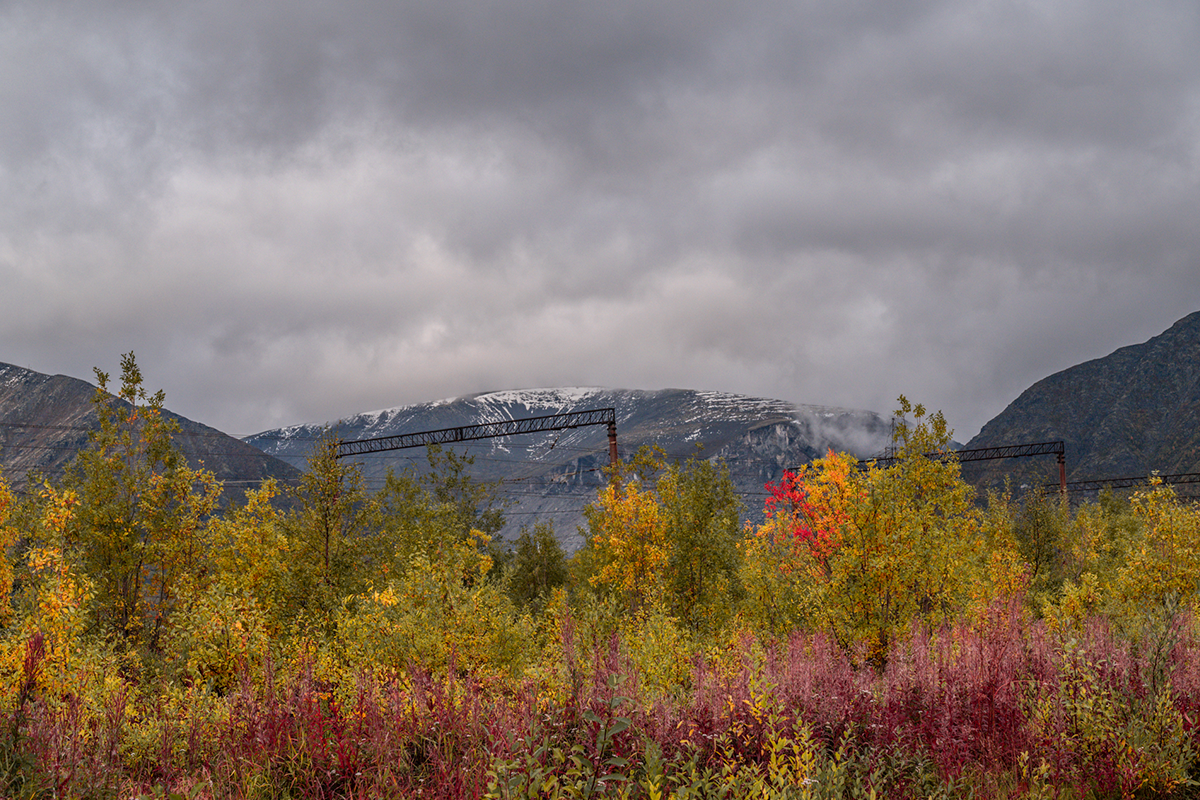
137	528
911	550
666	534
422	512
865	553
699	511
627	550
442	612
1161	570
8	536
228	620
332	538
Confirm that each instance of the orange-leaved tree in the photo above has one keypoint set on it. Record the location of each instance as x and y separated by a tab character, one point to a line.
55	593
788	560
866	553
814	504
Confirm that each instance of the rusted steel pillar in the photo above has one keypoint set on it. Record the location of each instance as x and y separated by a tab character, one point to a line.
1061	458
612	444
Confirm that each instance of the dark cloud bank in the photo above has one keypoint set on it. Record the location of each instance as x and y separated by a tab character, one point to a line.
296	211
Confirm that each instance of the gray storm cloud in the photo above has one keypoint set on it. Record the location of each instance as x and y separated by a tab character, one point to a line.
297	211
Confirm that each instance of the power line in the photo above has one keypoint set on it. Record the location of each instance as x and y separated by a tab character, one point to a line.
1097	484
184	452
215	434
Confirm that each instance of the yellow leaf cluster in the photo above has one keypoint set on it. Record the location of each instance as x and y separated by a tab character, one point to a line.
630	543
1163	564
8	535
60	593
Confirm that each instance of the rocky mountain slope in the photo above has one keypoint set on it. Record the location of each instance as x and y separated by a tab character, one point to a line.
45	419
1132	412
552	475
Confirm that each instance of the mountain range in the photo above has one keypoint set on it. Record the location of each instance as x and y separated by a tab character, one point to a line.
552	475
1127	414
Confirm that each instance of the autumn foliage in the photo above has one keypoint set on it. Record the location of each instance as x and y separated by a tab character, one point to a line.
881	633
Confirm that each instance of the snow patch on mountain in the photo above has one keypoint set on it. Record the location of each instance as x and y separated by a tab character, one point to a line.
553	398
724	401
368	418
559	472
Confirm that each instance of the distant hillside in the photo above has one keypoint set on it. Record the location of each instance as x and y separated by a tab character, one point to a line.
553	475
1124	415
45	419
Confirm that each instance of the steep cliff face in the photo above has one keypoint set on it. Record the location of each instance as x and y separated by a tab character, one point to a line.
45	420
553	475
1132	412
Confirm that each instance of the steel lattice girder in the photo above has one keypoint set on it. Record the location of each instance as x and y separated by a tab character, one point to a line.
1056	448
487	430
1097	484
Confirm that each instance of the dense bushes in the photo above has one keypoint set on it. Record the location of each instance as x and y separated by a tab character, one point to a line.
1003	710
880	635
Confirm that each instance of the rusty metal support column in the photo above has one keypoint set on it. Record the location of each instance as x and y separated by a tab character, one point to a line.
612	444
1061	458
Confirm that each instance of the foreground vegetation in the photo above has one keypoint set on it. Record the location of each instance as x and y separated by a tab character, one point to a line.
881	634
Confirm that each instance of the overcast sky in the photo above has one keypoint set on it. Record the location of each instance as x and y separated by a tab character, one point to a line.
295	211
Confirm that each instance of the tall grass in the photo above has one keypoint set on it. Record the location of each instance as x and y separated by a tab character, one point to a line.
1001	708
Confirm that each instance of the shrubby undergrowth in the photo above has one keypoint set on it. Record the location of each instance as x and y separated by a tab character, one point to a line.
1006	710
880	635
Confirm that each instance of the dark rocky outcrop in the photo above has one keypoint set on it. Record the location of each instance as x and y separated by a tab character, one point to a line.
1132	412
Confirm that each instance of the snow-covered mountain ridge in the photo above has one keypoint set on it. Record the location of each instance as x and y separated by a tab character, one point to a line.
552	475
